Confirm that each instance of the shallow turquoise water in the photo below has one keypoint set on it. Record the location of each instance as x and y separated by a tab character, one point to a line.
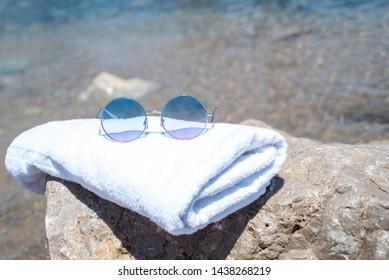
315	69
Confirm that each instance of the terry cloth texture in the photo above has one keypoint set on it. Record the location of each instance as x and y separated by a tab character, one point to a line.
181	185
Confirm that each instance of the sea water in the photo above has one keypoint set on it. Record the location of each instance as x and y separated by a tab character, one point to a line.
316	69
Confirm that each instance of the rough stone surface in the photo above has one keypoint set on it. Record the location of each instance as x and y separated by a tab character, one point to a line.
330	201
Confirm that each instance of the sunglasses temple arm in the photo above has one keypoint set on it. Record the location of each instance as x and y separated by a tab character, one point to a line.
211	116
99	114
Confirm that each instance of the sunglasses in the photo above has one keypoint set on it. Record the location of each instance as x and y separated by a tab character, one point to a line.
183	117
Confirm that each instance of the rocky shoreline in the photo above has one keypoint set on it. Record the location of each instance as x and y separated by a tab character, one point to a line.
330	201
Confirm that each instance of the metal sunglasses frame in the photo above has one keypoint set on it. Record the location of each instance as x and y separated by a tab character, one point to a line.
210	116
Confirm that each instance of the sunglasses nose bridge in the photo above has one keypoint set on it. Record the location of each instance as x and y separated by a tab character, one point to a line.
155	113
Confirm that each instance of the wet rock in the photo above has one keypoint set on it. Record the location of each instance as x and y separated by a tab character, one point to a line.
106	86
330	201
21	222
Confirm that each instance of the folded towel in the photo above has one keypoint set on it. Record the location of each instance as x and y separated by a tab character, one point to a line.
181	185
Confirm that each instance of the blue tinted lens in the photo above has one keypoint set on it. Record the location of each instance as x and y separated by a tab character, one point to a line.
184	117
123	119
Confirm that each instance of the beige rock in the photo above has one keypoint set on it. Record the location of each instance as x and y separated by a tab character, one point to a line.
330	201
107	86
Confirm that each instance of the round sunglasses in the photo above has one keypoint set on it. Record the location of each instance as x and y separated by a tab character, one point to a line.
183	117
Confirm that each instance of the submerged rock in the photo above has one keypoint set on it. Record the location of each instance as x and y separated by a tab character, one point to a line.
107	86
330	201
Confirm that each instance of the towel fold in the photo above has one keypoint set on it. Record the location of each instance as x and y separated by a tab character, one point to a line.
180	185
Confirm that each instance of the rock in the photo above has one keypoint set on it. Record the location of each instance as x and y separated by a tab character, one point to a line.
330	201
106	86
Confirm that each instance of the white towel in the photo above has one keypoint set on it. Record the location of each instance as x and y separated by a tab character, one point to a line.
181	185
